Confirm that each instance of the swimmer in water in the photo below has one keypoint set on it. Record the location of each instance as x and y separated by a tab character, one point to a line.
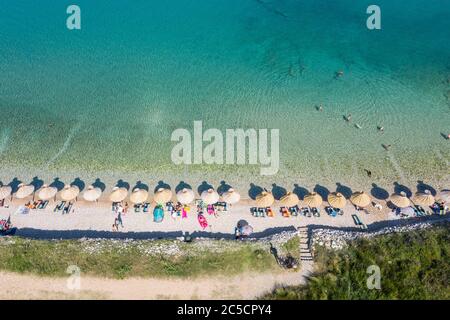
340	73
348	117
380	128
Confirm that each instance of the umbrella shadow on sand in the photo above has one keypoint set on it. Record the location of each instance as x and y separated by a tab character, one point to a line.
99	184
162	185
379	193
301	192
422	187
224	187
254	191
140	185
399	188
182	185
14	184
58	184
205	186
278	192
78	183
123	184
37	183
344	190
322	191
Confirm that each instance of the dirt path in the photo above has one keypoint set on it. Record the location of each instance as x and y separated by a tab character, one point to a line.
245	286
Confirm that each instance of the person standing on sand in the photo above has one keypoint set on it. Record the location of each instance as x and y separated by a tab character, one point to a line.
115	226
119	219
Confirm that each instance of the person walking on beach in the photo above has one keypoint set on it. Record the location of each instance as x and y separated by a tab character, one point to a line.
119	219
115	226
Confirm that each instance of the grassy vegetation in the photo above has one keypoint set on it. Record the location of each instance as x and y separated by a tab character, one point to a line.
413	265
119	259
291	247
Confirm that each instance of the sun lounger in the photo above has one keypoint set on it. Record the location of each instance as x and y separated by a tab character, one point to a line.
421	210
316	212
331	211
43	205
262	212
358	222
67	208
356	219
285	212
59	206
293	211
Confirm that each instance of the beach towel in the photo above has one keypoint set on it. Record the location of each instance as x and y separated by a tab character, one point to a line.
202	221
158	214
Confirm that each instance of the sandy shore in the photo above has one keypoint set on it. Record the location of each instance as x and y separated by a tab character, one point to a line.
95	220
244	286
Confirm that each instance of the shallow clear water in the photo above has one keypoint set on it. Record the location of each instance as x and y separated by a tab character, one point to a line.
106	99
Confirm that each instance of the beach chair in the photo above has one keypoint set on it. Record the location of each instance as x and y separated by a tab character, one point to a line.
146	206
43	205
293	211
67	208
331	211
356	220
60	206
316	212
285	212
253	211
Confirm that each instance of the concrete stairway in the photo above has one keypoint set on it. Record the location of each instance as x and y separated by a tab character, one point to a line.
305	251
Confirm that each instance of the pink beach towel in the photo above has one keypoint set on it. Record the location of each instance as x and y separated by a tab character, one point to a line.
202	221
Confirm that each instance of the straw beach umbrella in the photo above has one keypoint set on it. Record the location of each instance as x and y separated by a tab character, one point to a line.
360	199
337	200
210	196
118	194
92	194
231	196
400	200
47	193
5	191
313	200
423	198
139	196
185	196
444	195
69	193
289	200
265	199
163	195
24	191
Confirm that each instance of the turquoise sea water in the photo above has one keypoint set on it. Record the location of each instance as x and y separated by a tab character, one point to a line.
106	99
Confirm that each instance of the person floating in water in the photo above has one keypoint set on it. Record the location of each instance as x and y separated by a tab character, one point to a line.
319	107
387	146
348	117
381	129
339	74
369	173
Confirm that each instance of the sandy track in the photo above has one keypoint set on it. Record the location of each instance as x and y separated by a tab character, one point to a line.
245	286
